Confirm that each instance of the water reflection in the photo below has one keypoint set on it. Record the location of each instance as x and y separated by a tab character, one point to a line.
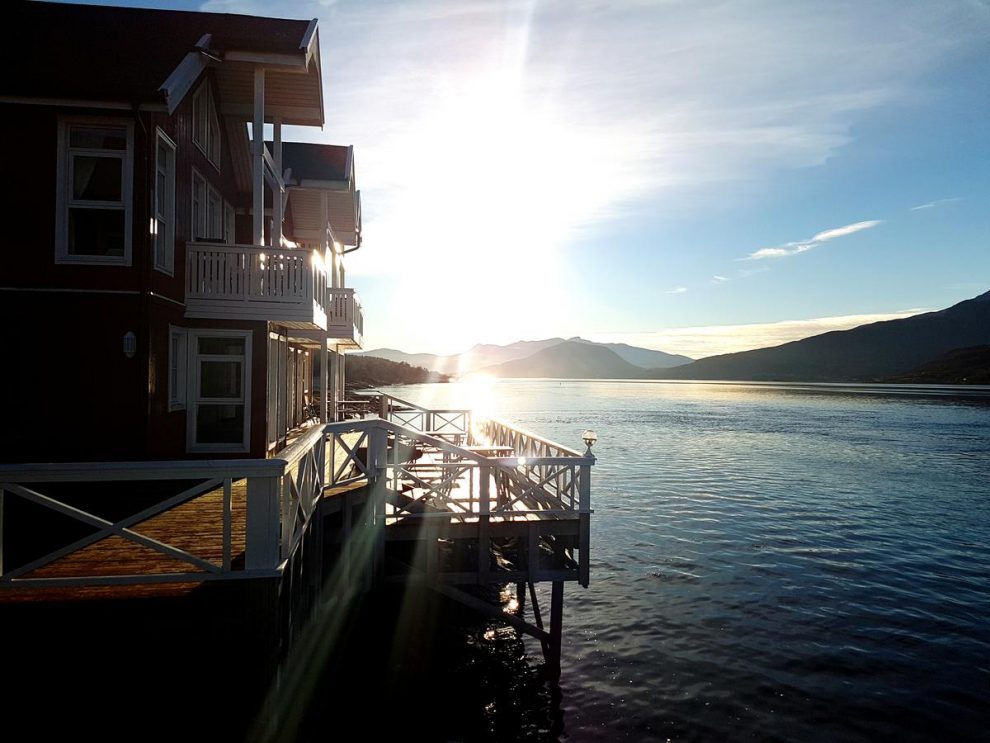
775	562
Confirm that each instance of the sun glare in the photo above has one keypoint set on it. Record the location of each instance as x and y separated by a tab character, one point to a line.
492	184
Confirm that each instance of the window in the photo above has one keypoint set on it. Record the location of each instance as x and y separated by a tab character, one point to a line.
206	126
163	222
95	175
177	369
209	211
220	419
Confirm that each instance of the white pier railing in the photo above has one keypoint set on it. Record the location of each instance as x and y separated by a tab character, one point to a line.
229	519
450	424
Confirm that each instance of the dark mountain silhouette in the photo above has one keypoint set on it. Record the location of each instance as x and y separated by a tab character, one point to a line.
645	358
867	353
486	355
961	366
569	360
369	371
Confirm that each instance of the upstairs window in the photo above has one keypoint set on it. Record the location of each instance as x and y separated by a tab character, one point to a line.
209	212
163	199
95	180
206	125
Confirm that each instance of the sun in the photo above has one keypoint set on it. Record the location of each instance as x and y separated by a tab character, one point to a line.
502	181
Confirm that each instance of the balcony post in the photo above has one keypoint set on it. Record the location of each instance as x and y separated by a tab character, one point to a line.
324	378
278	199
341	380
332	381
258	156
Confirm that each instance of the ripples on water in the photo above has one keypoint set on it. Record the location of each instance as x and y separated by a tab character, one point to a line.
805	563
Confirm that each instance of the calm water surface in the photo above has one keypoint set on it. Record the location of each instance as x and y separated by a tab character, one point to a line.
793	563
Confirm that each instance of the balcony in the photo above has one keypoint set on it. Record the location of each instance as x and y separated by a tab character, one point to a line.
250	282
345	318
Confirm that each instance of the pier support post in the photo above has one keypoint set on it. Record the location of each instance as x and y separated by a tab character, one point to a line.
375	507
556	622
484	540
584	537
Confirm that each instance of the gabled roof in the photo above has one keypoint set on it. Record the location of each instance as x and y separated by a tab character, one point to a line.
317	162
98	53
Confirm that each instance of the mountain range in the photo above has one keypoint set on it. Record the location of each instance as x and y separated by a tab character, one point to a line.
932	346
866	353
487	357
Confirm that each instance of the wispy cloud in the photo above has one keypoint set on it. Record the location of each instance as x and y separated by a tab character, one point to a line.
677	290
805	245
698	342
662	96
933	204
716	279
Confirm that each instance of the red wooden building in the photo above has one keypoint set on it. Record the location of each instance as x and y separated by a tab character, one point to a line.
176	277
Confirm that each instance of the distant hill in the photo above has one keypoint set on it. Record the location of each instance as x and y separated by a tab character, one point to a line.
645	358
369	371
483	356
961	366
867	353
425	360
569	360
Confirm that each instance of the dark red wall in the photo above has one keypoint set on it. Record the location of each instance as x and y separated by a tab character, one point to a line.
68	392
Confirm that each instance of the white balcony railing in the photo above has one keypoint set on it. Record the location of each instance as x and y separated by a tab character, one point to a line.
345	318
250	282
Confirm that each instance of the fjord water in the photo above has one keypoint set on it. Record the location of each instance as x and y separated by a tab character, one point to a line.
770	562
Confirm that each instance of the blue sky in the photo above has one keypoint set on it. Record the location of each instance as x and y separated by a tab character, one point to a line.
691	176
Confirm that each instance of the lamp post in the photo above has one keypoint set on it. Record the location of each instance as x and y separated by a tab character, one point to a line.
589	437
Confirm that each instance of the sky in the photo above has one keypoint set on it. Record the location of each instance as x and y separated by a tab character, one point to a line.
697	177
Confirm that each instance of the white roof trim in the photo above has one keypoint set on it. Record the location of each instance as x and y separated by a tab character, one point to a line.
306	44
278	62
185	74
349	167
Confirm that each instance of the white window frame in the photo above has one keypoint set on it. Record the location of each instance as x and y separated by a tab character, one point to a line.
206	124
163	221
195	400
178	368
210	223
64	198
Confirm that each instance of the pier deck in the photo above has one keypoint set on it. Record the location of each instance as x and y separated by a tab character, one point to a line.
416	496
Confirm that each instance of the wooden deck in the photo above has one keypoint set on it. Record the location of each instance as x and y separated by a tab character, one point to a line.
195	527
